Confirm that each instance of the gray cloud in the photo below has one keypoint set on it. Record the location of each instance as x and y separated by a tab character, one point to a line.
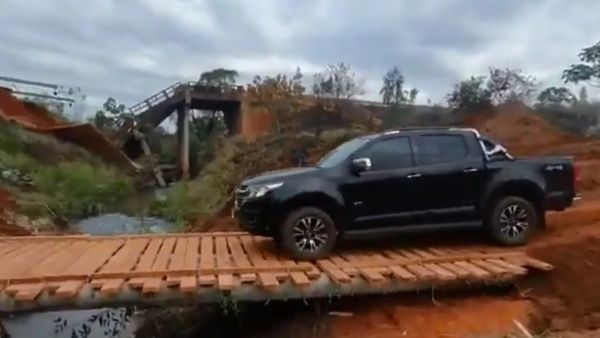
130	49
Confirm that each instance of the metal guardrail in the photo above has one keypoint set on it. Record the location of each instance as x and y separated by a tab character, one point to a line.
170	91
155	99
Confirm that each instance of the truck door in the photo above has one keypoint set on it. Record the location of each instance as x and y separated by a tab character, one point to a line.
452	169
383	196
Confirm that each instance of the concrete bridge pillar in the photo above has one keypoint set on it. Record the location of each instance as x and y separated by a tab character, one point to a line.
183	136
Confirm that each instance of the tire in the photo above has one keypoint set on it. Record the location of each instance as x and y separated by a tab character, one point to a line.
307	233
512	220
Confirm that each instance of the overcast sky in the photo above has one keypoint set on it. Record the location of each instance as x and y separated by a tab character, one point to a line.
130	49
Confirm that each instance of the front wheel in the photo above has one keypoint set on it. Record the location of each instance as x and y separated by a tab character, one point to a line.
512	221
307	234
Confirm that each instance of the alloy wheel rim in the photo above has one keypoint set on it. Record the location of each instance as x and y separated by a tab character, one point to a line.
514	220
310	233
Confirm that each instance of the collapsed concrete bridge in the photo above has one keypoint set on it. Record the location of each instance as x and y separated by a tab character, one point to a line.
74	272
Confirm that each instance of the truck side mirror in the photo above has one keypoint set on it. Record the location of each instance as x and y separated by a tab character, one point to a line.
361	164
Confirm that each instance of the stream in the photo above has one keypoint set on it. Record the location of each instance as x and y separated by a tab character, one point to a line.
87	323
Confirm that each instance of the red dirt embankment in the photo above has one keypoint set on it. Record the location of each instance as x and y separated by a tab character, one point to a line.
7	228
29	116
519	128
38	119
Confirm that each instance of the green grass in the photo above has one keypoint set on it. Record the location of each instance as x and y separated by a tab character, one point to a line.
67	180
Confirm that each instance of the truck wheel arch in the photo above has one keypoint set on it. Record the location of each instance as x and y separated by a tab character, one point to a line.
526	189
319	200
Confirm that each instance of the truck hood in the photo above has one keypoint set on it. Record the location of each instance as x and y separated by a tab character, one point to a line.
279	175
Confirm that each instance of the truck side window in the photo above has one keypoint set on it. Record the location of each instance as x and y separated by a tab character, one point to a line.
393	153
441	148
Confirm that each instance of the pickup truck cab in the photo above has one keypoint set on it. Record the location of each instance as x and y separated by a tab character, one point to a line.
405	179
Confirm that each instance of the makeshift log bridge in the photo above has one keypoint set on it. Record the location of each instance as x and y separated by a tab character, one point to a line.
40	273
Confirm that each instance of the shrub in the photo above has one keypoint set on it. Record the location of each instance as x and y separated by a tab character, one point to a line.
79	189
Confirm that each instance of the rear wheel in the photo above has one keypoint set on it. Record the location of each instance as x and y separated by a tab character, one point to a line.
512	220
307	234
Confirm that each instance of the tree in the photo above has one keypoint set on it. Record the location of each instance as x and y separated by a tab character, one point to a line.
509	85
219	77
469	94
393	92
297	86
588	69
111	116
277	96
337	81
556	96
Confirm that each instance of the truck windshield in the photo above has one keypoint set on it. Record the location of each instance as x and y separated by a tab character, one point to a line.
339	154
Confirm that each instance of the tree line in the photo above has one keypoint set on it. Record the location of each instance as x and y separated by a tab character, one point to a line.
340	81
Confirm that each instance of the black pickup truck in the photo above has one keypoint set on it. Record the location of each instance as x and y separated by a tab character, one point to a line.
405	179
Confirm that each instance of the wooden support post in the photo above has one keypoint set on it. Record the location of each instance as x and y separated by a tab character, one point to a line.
183	136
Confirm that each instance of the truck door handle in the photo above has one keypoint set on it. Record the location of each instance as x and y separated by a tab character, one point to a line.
470	170
413	175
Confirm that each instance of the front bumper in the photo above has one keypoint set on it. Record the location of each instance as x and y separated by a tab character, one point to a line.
255	216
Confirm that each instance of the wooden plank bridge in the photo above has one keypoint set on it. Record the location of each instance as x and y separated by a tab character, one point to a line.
42	273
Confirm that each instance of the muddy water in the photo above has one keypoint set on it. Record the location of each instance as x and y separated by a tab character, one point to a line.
48	324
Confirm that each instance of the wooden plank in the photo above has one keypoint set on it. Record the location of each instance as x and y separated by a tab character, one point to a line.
253	254
335	273
363	261
313	272
300	279
423	254
457	270
415	259
207	260
207	280
124	260
43	257
517	270
30	293
151	285
24	259
537	264
112	286
494	269
240	259
473	270
268	281
161	263
442	273
248	277
266	249
178	257
395	257
421	272
189	283
224	280
146	261
60	260
401	273
68	289
92	259
345	262
122	263
371	275
177	261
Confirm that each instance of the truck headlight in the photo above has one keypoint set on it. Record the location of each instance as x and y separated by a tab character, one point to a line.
261	190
